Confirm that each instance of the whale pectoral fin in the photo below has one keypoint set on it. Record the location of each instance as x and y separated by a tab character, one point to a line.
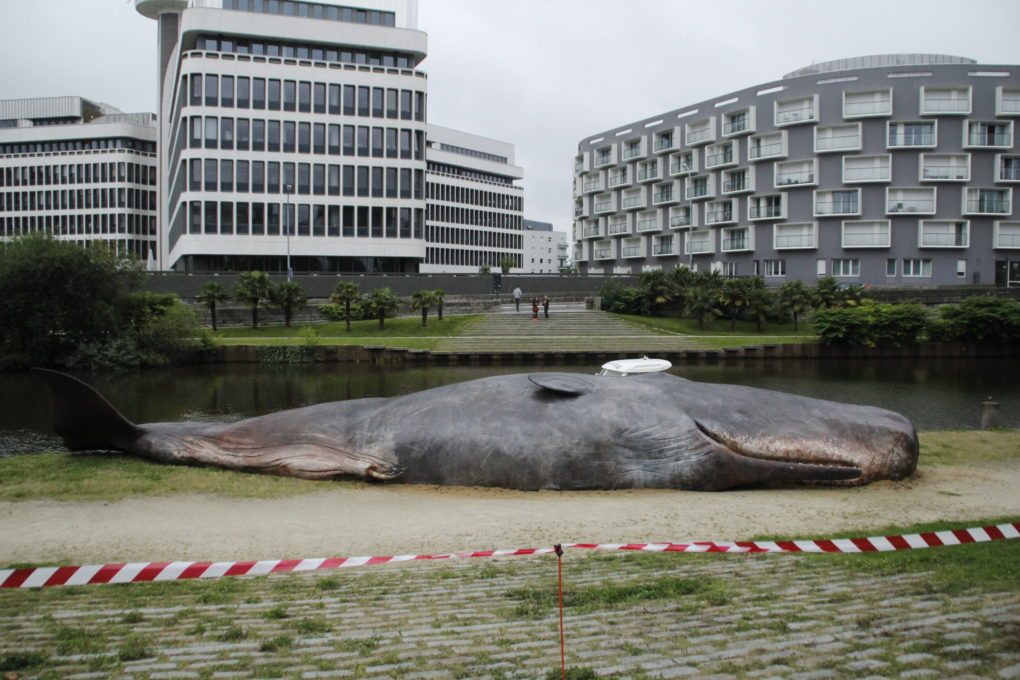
562	383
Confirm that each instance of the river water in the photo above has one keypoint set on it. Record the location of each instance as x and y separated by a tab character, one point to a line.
935	394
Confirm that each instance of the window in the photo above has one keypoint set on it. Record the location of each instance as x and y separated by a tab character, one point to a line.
846	267
890	267
349	96
226	133
227	91
211	131
258	94
243	134
274	136
916	267
289	136
775	267
289	95
912	134
243	92
258	135
320	97
961	269
305	97
212	87
274	95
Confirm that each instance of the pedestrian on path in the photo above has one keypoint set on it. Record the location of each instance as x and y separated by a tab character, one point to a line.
545	305
518	294
534	309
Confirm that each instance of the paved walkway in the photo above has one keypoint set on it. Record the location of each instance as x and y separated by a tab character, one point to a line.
633	616
569	327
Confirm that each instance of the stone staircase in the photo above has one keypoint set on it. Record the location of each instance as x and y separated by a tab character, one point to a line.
570	329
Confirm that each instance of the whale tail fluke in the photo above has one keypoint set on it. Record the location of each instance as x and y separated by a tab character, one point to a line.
83	418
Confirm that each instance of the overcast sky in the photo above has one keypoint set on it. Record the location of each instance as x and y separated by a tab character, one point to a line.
542	74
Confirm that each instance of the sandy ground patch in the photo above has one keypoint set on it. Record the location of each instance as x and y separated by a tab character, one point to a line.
384	520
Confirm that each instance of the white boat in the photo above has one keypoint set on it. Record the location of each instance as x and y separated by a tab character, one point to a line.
624	367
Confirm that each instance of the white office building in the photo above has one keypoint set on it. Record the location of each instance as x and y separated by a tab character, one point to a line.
544	249
80	171
475	208
291	131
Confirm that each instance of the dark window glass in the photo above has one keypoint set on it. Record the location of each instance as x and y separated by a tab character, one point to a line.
211	130
405	183
364	104
391	103
334	221
302	220
377	142
319	138
334	140
289	171
289	95
391	183
319	179
242	176
304	97
242	218
348	181
196	133
391	142
405	143
419	106
362	180
320	97
334	100
289	135
212	87
405	104
304	137
272	177
362	140
258	135
348	220
243	134
226	175
377	182
362	221
377	222
391	222
227	91
243	92
334	180
210	217
258	177
226	218
258	95
274	136
273	219
348	140
195	221
405	223
349	100
304	179
378	95
318	220
258	219
196	92
274	95
195	179
226	133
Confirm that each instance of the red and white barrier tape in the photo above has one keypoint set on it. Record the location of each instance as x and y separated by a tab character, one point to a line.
138	572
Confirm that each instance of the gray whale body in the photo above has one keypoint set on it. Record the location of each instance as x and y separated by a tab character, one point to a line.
529	431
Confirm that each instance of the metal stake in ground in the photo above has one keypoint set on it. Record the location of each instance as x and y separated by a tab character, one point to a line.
563	648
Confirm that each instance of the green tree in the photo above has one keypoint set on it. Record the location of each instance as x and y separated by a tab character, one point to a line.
345	293
383	303
826	293
733	298
252	289
759	304
55	296
702	302
795	298
288	297
505	264
211	294
423	299
440	302
484	269
165	329
658	289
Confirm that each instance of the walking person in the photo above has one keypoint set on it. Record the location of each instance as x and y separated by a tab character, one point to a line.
518	294
534	309
545	305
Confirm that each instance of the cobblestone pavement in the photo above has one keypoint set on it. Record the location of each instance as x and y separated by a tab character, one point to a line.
627	616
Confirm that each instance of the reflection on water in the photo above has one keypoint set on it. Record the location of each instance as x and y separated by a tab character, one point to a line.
935	394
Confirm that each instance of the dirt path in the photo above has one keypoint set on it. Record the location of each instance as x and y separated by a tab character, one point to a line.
382	520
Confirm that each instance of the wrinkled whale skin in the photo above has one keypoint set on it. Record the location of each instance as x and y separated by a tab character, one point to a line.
529	431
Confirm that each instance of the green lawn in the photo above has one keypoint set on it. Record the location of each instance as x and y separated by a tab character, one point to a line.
721	327
398	332
108	477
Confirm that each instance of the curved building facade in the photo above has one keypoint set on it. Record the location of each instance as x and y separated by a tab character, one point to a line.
291	132
887	170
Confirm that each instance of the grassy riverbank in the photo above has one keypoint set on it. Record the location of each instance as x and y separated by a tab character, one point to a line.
110	477
742	333
398	332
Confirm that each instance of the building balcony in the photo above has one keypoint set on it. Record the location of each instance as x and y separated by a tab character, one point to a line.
594	185
699	246
589	232
680	221
838	143
943	240
618	228
878	240
633	251
988	206
664	248
760	151
700	135
604	207
604	254
648	175
1008	241
664	144
804	114
766	212
736	185
990	139
1008	173
945	173
628	154
792	241
837	208
664	196
794	178
680	168
719	216
649	224
738	243
736	126
717	159
866	174
915	205
933	105
632	202
618	180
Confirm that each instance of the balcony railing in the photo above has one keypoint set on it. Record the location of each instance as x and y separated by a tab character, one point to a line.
1010	105
651	224
1008	241
740	243
617	180
795	177
989	139
631	153
735	184
699	135
911	205
944	240
618	228
632	251
993	206
762	212
911	139
851	174
663	195
606	254
738	124
765	150
634	202
578	212
871	108
804	113
603	206
697	190
679	167
664	143
578	166
720	158
838	142
591	231
1009	172
663	248
866	240
695	247
943	105
604	159
716	216
593	186
836	208
650	173
795	241
944	172
680	221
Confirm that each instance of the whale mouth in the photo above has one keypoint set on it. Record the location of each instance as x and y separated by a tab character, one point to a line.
383	472
758	469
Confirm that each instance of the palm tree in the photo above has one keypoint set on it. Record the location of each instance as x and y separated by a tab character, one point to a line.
344	294
760	301
795	298
289	297
382	301
657	288
440	301
827	293
703	301
734	298
211	294
252	289
422	300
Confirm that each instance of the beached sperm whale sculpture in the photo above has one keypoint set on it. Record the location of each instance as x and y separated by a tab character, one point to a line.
529	431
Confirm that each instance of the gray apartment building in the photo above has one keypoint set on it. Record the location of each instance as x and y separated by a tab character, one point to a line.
886	170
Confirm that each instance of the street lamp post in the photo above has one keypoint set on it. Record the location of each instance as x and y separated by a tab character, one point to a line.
288	190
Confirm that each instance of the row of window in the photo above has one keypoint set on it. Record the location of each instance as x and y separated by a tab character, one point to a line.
275	94
437	191
78	145
303	219
470	258
299	50
242	134
841	267
303	179
77	173
312	10
472	237
80	225
80	199
449	214
465	173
